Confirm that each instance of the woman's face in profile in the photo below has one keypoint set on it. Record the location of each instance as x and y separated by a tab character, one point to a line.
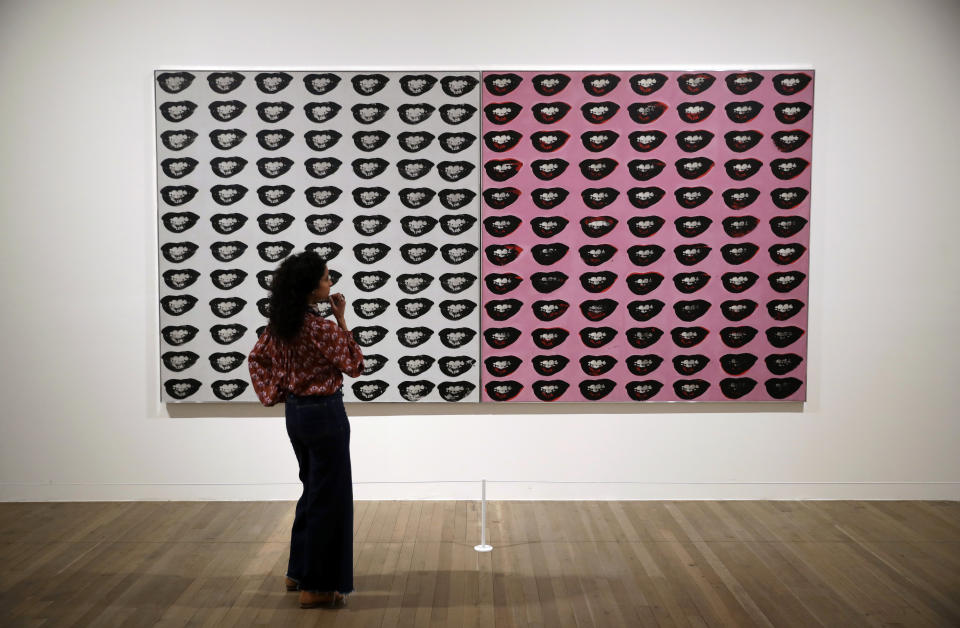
322	291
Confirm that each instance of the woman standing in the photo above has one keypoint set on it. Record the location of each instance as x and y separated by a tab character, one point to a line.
301	358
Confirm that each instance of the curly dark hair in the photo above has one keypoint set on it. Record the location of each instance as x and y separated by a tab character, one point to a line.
293	281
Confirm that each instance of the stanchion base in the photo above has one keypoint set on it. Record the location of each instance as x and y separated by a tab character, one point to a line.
483	548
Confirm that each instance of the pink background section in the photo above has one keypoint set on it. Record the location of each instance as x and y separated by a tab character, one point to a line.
574	209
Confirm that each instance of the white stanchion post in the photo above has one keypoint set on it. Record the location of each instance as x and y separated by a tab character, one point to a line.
483	547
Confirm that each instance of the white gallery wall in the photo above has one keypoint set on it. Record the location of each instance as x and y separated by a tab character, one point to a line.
80	416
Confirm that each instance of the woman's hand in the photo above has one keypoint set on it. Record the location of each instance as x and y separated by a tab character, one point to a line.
338	304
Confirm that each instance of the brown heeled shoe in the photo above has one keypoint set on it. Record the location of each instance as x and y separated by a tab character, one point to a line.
308	599
291	584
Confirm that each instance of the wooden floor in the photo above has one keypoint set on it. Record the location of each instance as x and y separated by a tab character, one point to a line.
554	564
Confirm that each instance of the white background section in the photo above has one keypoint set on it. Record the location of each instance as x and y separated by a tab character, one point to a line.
81	417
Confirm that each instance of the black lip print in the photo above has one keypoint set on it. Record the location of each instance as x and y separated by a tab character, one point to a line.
694	84
548	169
177	304
416	226
457	282
177	335
413	365
502	365
322	224
456	142
370	225
646	112
174	82
599	112
782	310
596	389
549	112
597	309
414	282
226	362
369	141
596	169
263	306
690	364
500	198
741	169
598	198
644	254
787	226
370	252
790	84
736	387
695	112
549	389
455	391
180	194
180	278
229	251
181	388
643	198
502	283
455	199
644	364
369	197
369	389
226	194
737	363
740	198
178	140
738	253
741	83
645	169
643	337
689	283
274	139
500	226
548	198
691	254
178	222
503	390
269	167
737	310
318	168
742	141
417	253
369	168
274	223
689	311
326	250
693	141
688	198
547	254
599	140
274	194
501	141
456	365
549	310
369	84
224	82
413	336
548	282
598	282
501	310
646	84
595	365
687	337
501	337
782	363
272	82
502	169
791	112
781	337
736	337
784	254
739	226
319	84
739	282
548	226
644	283
597	226
600	84
596	254
228	389
502	254
502	112
645	310
550	84
373	362
181	360
785	282
788	198
789	141
412	169
415	113
743	112
457	253
549	337
456	113
643	390
180	167
549	364
226	334
177	111
782	388
692	226
368	281
415	198
176	252
274	111
549	141
417	84
693	167
413	141
322	140
786	169
690	388
225	308
645	141
321	112
502	84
